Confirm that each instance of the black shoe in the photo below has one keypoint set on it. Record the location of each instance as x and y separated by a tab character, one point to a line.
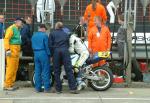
47	91
13	88
58	92
74	91
37	91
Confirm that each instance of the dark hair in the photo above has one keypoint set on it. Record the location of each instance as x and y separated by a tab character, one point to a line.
43	26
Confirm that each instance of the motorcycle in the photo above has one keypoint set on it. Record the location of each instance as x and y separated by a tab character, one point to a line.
98	78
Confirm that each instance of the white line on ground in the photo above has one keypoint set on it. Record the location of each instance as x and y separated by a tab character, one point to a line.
74	98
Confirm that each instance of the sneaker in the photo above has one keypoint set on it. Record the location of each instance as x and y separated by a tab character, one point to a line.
74	91
13	88
38	91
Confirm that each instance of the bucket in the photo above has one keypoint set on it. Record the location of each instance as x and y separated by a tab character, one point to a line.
146	77
143	67
118	79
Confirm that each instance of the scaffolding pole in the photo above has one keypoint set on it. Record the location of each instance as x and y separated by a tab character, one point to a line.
128	24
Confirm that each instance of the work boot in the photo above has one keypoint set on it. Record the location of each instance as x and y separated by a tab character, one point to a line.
13	88
74	91
81	86
48	91
58	92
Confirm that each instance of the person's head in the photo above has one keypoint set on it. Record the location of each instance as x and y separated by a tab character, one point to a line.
99	1
94	5
28	20
121	19
2	19
82	22
59	25
19	22
98	21
42	28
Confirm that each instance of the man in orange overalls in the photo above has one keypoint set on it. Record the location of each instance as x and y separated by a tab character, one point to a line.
92	10
99	38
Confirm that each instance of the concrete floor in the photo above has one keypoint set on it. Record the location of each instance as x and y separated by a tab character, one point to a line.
113	95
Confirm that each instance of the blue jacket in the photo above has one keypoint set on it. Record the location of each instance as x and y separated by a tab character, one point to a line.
40	42
25	34
1	30
58	39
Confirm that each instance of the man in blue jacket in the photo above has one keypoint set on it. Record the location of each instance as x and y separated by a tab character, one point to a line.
59	45
2	19
26	37
41	59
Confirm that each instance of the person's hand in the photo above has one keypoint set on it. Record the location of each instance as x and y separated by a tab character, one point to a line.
8	53
51	59
90	51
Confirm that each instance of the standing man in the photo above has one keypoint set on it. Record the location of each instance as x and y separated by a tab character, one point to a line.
12	42
59	44
99	39
41	59
26	37
2	19
121	36
94	9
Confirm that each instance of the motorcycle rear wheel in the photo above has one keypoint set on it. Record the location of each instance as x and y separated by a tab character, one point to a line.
107	78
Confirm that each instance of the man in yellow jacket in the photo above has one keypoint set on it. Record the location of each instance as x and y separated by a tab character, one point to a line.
12	42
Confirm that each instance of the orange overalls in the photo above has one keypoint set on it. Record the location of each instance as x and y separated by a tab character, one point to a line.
99	41
90	14
12	41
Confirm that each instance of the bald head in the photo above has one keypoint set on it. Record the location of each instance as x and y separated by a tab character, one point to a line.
2	18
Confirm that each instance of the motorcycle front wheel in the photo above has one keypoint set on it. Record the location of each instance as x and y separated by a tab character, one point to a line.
106	78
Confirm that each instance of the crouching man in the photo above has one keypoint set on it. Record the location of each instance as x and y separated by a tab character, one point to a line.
41	59
77	46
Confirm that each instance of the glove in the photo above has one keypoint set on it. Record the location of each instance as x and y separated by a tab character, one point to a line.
76	70
8	53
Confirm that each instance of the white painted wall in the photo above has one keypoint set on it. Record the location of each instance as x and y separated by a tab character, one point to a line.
2	64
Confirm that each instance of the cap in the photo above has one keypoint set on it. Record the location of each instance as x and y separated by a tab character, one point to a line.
42	26
19	18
